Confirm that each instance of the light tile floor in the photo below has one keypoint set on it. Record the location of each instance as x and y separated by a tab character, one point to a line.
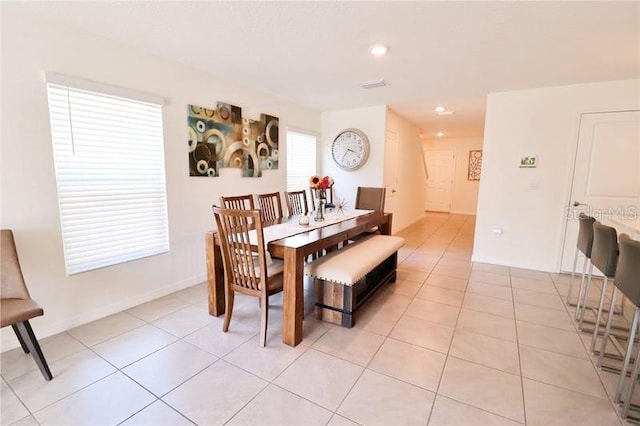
450	343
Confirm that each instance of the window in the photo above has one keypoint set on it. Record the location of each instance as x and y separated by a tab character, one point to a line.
301	159
109	162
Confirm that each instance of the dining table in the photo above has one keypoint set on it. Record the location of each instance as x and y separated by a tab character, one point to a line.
293	249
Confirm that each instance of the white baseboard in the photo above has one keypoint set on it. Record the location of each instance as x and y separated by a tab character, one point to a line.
467	213
522	265
45	330
418	219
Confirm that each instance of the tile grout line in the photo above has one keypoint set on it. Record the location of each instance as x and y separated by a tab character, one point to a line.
515	325
446	360
590	358
387	337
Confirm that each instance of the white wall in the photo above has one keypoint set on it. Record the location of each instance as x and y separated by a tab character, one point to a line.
540	122
372	121
410	198
32	46
464	196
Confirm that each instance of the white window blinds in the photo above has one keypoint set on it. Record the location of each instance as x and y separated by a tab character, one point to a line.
301	160
109	162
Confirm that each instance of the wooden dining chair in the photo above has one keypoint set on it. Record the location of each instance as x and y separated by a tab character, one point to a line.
16	306
314	195
245	272
239	202
270	206
297	202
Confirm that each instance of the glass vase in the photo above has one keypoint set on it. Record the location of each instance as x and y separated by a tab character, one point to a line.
320	210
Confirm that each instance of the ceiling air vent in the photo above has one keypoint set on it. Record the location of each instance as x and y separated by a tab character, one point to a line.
372	84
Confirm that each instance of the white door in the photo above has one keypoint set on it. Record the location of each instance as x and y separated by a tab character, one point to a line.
390	168
440	168
606	177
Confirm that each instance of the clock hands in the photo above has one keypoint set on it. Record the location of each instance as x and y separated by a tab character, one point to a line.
346	152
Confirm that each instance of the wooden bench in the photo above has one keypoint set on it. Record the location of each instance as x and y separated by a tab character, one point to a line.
346	278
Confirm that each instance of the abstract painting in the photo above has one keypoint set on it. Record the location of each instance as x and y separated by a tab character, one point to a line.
221	137
475	164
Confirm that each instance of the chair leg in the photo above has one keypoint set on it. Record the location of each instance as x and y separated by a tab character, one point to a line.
632	385
24	328
585	296
607	330
24	346
627	357
621	310
264	317
596	327
228	310
573	274
581	288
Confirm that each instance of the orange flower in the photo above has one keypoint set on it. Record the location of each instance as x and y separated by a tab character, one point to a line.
314	181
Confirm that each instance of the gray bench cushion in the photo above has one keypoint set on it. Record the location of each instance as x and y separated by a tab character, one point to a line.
348	265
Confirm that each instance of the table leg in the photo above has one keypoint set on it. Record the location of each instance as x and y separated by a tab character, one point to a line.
293	305
215	277
385	228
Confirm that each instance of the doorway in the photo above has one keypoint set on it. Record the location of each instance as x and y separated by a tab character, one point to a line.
440	172
606	177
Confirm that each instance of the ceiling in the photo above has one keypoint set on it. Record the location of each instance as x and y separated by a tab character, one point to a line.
441	53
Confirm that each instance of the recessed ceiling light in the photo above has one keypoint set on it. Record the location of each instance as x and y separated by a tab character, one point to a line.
440	134
378	49
440	109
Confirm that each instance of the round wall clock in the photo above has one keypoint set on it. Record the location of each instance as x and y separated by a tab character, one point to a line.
350	149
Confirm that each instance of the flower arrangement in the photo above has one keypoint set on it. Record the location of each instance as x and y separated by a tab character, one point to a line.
321	184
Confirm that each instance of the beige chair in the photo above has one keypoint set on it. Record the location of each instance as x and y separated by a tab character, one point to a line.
240	202
370	199
16	306
297	202
270	206
243	271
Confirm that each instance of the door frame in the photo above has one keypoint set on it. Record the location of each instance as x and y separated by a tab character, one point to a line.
571	178
452	183
391	191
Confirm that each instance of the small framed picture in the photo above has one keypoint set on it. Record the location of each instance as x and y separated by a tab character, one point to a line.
530	161
475	164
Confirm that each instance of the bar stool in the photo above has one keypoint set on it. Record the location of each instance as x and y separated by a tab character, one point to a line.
604	256
629	276
584	245
627	280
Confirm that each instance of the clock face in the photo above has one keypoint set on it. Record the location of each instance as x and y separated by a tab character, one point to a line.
350	149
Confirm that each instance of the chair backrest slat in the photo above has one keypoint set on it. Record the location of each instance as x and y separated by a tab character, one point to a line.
270	206
297	202
239	202
242	268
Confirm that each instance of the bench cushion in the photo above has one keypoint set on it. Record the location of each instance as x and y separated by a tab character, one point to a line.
348	265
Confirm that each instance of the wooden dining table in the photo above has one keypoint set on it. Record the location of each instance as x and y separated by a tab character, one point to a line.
293	250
